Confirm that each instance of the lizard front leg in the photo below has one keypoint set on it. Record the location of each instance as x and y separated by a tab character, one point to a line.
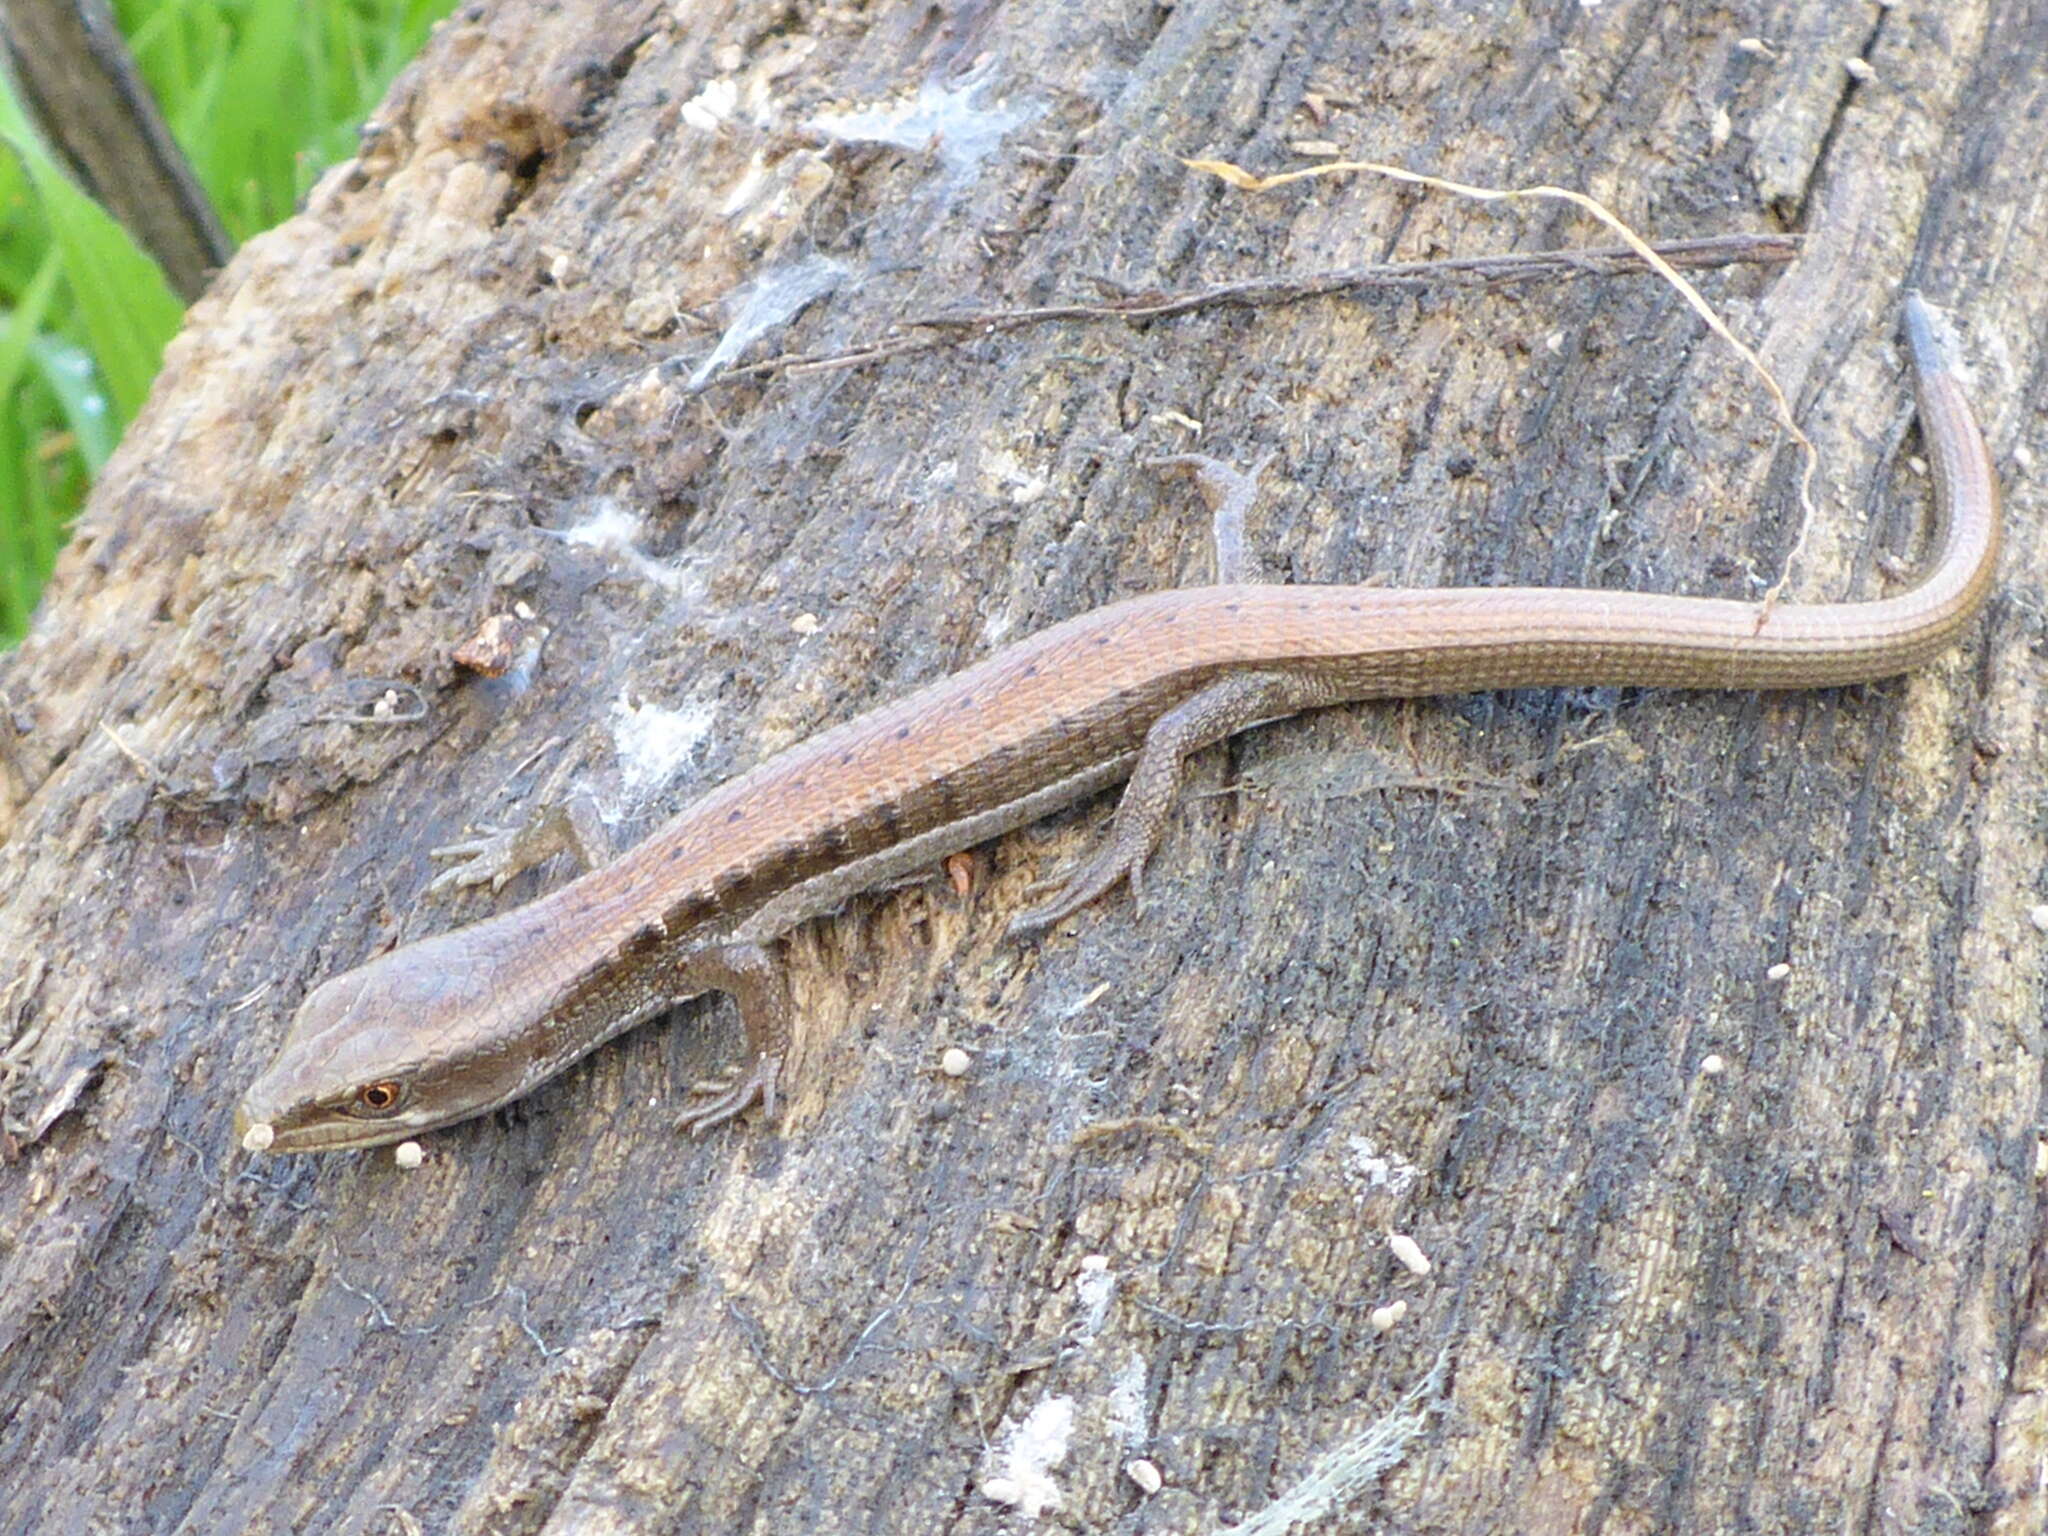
754	980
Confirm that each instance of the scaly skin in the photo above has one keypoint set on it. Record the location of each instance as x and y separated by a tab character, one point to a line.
460	1023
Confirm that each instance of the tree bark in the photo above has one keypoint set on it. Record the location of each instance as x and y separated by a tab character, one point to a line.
1695	1040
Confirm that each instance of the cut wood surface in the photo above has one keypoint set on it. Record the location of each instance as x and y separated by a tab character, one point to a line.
1695	1041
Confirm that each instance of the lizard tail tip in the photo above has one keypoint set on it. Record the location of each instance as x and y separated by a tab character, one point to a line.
1923	334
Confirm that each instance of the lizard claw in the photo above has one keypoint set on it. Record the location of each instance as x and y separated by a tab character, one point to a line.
1095	878
757	1087
573	827
492	855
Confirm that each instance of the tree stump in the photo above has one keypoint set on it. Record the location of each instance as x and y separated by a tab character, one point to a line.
1695	1042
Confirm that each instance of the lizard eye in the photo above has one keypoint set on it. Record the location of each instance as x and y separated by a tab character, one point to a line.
379	1098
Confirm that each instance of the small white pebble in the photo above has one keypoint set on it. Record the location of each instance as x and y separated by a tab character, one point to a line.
1712	1065
954	1062
1145	1475
2023	457
1409	1252
258	1137
1384	1318
1778	972
805	624
2041	1159
1758	46
1003	1490
408	1154
1094	1263
1722	127
2039	917
1859	69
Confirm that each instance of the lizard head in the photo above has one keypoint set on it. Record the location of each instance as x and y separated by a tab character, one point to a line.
384	1052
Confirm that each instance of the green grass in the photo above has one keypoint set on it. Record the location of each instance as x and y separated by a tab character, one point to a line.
262	95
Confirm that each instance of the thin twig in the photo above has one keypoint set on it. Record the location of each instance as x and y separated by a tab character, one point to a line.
1493	271
149	769
1246	181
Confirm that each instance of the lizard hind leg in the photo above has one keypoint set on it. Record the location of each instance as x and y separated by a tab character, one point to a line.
1222	708
1230	494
